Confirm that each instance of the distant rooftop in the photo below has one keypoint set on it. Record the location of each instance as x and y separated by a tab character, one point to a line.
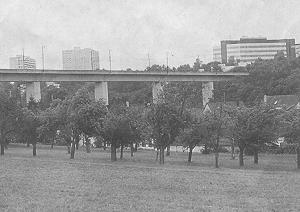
288	101
253	38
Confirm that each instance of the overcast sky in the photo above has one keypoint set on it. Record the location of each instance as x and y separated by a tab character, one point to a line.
133	28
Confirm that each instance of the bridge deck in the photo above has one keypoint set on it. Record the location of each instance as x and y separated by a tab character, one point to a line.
13	75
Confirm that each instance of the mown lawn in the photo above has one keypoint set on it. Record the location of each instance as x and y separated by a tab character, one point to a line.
90	182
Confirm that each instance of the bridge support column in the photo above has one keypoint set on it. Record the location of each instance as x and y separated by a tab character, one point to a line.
207	92
33	90
101	92
157	92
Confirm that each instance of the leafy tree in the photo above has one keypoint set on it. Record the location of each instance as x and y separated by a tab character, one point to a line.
197	65
215	124
165	122
115	126
193	135
231	61
136	93
185	68
52	120
122	126
264	128
156	68
71	87
29	123
253	127
212	67
50	93
280	76
85	117
291	126
9	114
240	128
184	94
138	126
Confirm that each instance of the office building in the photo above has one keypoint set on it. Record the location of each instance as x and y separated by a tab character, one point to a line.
22	62
247	50
33	89
297	49
80	59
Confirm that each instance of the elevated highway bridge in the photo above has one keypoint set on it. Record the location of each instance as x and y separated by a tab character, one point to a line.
101	77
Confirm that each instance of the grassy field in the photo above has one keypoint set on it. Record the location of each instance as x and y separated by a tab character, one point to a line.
90	182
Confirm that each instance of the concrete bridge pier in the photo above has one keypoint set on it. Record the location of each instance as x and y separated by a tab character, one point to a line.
157	92
207	92
33	89
101	92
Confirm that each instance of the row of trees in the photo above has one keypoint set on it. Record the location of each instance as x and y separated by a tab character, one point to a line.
247	127
280	76
75	115
163	124
67	121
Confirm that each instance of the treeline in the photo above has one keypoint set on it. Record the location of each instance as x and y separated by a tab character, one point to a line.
168	122
280	76
69	113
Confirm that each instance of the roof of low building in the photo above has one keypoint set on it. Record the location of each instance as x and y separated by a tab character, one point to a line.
282	100
217	105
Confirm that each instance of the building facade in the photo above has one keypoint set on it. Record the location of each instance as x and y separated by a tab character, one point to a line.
247	50
22	62
80	59
297	49
33	89
217	54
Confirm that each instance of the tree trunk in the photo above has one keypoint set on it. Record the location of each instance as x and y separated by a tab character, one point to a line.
298	157
190	155
88	145
121	153
217	159
217	152
113	153
52	143
136	147
6	144
241	156
255	151
168	150
76	141
131	149
34	148
162	156
205	149
28	144
73	144
2	148
104	145
157	154
232	151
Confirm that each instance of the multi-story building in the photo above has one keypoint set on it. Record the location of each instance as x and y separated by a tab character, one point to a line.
217	54
80	59
22	62
247	50
33	89
297	49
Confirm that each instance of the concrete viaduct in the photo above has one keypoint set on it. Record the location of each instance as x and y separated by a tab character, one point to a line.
33	77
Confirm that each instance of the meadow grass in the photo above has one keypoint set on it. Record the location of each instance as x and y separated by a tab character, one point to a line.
90	182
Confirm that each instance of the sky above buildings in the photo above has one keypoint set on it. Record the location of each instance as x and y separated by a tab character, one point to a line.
183	29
